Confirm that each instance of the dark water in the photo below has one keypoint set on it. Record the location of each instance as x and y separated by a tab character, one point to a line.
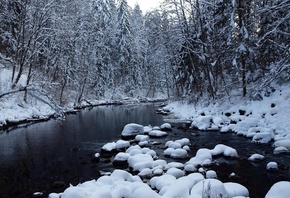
43	156
34	157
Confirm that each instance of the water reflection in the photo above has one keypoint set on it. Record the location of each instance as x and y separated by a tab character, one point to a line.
37	155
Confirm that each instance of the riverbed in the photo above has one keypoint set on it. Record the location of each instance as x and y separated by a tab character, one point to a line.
47	157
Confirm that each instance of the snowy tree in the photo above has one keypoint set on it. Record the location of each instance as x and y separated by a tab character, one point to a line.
273	41
124	45
25	23
139	46
104	40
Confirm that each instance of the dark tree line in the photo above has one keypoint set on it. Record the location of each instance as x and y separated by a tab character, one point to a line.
74	50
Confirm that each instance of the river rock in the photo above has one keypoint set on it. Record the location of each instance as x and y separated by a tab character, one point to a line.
132	129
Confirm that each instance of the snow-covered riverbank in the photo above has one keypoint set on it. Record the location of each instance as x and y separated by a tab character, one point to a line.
263	121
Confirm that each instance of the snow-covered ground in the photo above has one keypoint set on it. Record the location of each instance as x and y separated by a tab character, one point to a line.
14	110
263	121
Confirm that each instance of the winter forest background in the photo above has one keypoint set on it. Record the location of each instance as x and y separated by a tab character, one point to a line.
71	50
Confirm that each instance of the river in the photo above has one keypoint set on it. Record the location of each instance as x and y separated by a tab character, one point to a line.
46	157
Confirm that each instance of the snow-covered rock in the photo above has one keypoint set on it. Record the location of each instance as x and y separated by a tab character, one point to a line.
235	190
202	122
227	151
281	149
109	146
256	157
211	174
165	127
279	190
209	188
273	166
132	129
122	144
157	133
177	173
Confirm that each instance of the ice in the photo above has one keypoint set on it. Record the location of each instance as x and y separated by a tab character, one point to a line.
279	190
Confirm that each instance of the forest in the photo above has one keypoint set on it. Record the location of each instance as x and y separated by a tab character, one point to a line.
71	50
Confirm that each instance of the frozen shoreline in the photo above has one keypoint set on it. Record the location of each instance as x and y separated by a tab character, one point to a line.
15	113
262	121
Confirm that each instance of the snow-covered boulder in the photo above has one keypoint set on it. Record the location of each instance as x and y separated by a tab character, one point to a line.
209	188
279	190
160	182
202	122
264	137
140	161
227	151
211	174
177	173
179	153
109	146
272	166
122	144
256	157
285	143
280	149
132	129
157	133
142	138
165	127
236	190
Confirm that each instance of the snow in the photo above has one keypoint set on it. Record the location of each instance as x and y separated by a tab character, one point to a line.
235	190
165	126
132	129
256	157
210	174
279	190
263	121
156	177
157	133
272	166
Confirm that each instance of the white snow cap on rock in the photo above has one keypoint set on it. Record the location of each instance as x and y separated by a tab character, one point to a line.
132	129
256	157
279	190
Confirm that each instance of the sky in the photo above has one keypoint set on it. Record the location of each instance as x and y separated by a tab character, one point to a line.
145	5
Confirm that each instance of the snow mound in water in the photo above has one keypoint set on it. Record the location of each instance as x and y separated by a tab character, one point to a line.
132	129
279	190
